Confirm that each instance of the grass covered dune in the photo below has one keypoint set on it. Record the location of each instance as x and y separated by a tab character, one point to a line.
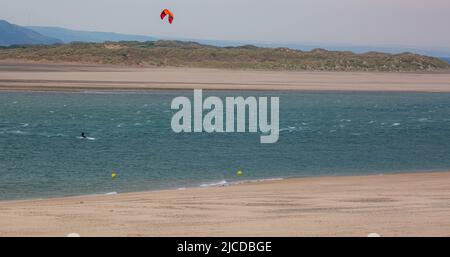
191	54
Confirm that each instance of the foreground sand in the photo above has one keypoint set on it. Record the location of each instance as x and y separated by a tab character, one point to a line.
392	205
28	76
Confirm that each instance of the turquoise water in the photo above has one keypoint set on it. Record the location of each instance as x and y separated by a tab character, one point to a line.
41	154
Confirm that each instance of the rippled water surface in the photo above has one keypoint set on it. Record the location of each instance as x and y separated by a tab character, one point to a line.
42	153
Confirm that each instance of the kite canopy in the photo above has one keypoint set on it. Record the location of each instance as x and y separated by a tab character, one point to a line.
167	12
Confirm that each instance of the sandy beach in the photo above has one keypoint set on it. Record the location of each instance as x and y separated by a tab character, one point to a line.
72	77
416	204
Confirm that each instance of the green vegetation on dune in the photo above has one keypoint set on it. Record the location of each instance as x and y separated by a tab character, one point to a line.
191	54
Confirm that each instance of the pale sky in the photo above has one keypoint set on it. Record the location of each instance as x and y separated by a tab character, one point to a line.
423	23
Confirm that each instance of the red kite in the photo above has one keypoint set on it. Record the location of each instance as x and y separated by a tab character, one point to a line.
167	12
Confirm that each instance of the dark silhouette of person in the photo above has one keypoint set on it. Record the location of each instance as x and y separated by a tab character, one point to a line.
83	135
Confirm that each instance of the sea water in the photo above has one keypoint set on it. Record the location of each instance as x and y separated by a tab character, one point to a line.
43	155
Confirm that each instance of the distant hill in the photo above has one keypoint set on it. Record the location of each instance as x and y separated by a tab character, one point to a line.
447	59
69	36
192	54
330	46
11	34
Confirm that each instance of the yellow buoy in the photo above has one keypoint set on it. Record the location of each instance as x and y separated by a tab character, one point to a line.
239	173
113	175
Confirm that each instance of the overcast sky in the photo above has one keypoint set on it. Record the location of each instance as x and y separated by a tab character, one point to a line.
424	23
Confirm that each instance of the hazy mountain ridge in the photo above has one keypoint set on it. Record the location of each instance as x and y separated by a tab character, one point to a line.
11	34
59	34
192	54
69	35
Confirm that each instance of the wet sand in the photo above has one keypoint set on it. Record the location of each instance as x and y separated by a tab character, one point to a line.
391	205
72	77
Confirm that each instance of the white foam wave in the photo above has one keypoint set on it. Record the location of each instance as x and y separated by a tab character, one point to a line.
18	132
226	183
215	184
87	138
289	129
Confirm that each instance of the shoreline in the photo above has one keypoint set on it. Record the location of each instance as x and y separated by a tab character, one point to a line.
220	183
75	78
205	185
400	204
